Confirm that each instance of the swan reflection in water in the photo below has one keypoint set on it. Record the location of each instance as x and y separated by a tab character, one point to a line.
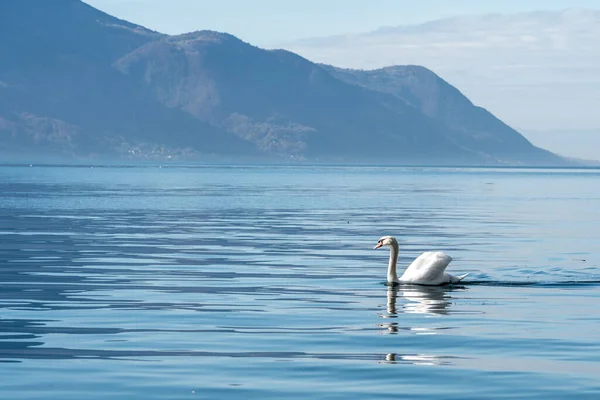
416	359
428	300
420	299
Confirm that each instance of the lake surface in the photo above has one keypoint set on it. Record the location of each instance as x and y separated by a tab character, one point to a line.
260	282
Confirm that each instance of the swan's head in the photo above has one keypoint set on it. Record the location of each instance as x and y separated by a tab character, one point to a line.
386	241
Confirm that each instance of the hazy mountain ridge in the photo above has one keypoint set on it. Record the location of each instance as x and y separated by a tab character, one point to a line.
83	84
535	70
473	128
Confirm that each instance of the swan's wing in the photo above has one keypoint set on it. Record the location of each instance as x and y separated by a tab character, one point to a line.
428	268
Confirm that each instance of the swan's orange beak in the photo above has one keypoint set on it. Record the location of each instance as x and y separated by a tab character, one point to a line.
378	246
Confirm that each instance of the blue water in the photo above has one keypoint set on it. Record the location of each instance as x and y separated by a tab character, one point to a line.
249	282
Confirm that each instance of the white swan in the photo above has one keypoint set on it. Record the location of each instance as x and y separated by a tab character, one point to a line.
427	269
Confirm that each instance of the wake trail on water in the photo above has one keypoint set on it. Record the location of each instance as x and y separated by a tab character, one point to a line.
560	284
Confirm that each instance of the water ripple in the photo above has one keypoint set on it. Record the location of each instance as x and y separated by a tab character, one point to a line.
200	278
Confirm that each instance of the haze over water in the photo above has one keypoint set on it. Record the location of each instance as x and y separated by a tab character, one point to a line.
206	282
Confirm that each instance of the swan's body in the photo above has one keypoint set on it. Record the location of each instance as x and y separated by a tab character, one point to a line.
427	269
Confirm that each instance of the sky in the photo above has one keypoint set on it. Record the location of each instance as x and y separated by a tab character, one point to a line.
269	22
539	76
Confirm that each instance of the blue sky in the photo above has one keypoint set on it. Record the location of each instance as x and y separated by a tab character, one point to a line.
269	22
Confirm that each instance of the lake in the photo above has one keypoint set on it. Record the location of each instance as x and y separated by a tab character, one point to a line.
261	282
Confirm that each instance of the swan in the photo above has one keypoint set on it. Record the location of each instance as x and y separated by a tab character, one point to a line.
427	269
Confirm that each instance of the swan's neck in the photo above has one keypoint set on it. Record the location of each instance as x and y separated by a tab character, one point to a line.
392	274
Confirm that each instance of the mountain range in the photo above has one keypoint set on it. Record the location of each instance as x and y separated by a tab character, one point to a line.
537	70
76	83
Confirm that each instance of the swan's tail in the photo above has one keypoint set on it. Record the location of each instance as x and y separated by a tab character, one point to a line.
455	279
